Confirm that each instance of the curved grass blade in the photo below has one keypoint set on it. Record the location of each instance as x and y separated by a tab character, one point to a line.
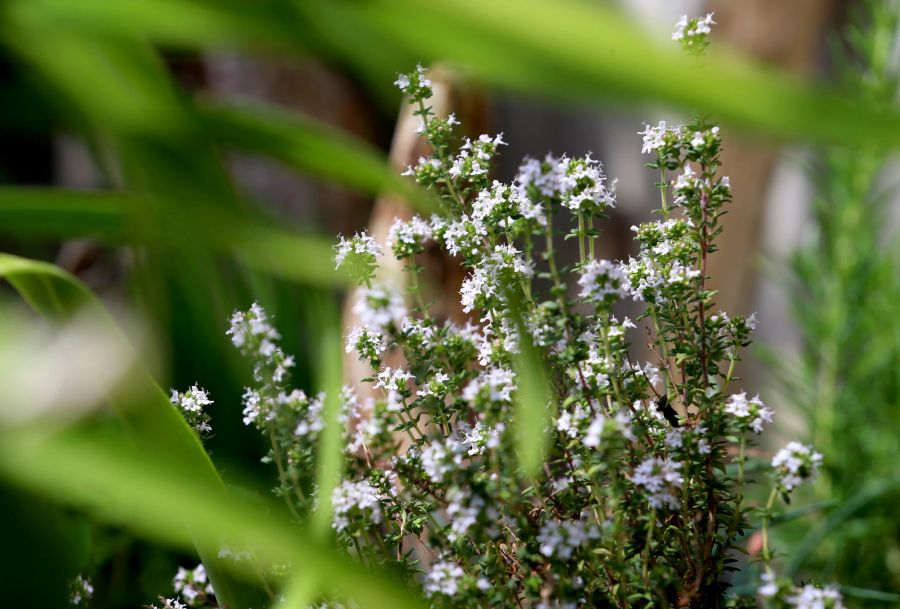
156	496
311	147
845	511
154	422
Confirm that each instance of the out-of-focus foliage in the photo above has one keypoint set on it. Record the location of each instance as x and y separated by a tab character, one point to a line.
200	248
846	292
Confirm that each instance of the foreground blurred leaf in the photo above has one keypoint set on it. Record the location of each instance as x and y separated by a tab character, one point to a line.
120	218
584	51
532	410
534	404
322	316
51	291
310	146
153	421
157	496
565	48
872	492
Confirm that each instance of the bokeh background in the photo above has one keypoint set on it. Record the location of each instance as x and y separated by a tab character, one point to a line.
183	158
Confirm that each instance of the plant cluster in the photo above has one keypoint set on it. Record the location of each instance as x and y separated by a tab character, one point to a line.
639	501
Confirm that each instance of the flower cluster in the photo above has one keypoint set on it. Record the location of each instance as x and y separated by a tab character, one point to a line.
357	256
751	414
192	405
693	32
632	505
795	464
193	586
780	594
81	590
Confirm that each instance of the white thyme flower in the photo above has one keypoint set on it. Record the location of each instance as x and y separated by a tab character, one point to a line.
603	282
474	157
595	432
310	421
395	383
443	578
674	438
193	585
544	177
494	385
560	539
354	498
193	400
251	329
661	481
482	438
583	185
368	342
752	413
502	267
659	138
795	464
769	587
415	84
690	29
81	590
170	603
407	238
570	422
811	597
378	307
362	244
358	256
463	510
252	406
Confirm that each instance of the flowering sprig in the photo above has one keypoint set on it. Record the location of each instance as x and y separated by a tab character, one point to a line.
81	590
192	404
693	32
358	257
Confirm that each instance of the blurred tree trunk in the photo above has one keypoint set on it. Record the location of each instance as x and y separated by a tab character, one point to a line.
788	34
443	275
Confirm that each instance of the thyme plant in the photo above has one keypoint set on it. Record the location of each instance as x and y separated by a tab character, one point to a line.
640	498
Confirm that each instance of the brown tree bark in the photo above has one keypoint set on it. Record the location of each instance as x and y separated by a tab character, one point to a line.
788	34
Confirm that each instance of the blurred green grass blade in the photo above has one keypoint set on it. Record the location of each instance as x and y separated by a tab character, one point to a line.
155	495
311	147
185	23
154	422
873	595
854	503
795	514
121	218
585	51
534	399
532	410
63	213
114	88
322	315
49	290
566	48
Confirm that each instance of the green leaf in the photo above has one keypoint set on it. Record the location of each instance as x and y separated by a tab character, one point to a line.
311	147
154	494
534	400
587	51
153	422
122	218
